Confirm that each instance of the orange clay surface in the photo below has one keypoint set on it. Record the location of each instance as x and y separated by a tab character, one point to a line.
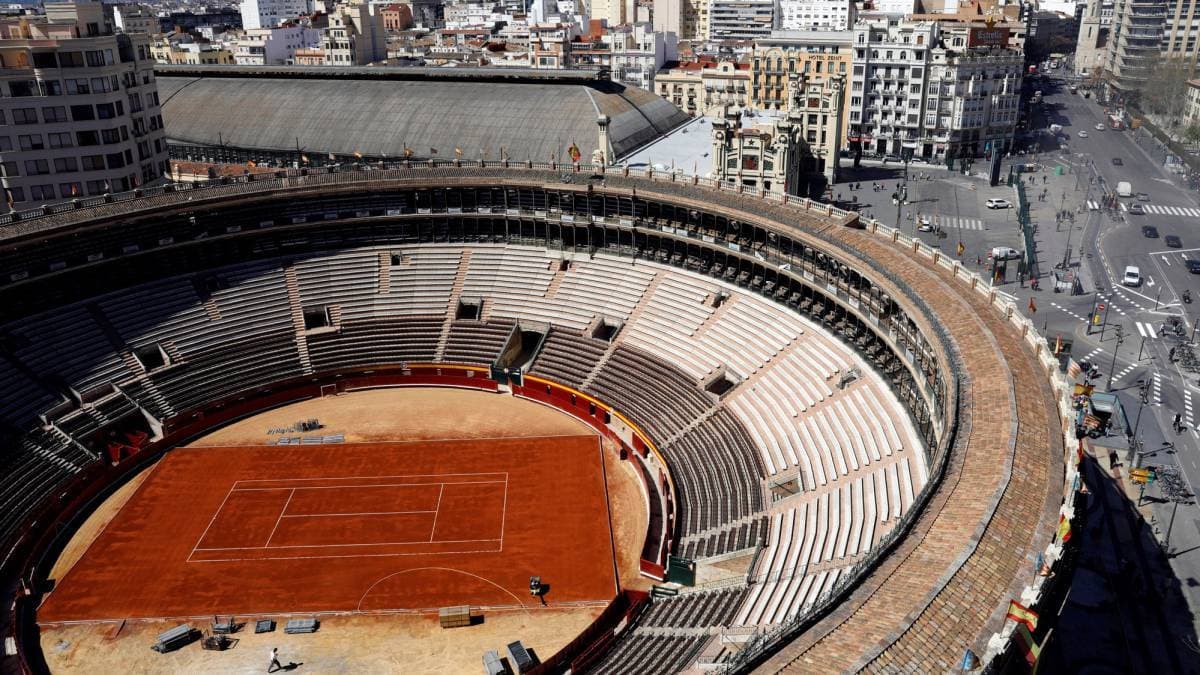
369	527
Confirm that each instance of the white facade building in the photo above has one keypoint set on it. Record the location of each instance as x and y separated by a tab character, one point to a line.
274	46
740	19
79	114
354	37
270	13
136	19
887	85
815	14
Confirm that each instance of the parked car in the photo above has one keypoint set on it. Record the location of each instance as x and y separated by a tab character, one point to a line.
1193	266
1099	126
996	203
1150	232
924	224
1173	241
1117	161
1143	197
1137	210
1133	277
1082	134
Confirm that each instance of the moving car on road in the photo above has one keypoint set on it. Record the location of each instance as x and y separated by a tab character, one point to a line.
1133	277
1173	241
1193	266
1150	232
1099	126
1004	253
1082	134
996	203
1137	210
1117	161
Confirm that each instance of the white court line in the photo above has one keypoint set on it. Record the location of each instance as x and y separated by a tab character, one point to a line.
343	487
359	555
378	543
438	508
280	518
402	475
210	523
362	513
504	511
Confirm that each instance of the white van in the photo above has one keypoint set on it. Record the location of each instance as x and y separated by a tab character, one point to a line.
1004	253
1133	277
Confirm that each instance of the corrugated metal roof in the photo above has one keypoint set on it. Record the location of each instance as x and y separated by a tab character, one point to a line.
529	119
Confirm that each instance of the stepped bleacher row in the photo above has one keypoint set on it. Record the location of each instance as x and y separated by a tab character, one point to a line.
642	653
218	333
736	538
694	610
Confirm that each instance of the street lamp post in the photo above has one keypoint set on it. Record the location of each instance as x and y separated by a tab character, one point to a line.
1116	348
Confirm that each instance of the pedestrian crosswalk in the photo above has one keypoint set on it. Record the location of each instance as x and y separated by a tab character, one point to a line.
1187	409
1172	211
1157	390
956	223
1155	209
1146	329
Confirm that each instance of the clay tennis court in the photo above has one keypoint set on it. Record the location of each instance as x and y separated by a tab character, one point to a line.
252	530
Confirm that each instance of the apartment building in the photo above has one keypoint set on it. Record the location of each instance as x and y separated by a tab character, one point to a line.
274	46
816	55
816	14
354	37
707	87
80	111
739	19
270	13
887	85
136	19
1136	43
972	101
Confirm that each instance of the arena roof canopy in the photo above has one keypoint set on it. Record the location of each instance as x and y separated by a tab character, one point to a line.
380	112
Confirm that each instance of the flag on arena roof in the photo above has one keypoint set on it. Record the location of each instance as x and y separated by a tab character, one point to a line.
1022	614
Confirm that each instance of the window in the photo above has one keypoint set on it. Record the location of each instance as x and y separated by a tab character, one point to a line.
81	113
66	165
110	136
5	143
17	194
95	58
93	162
85	138
78	87
73	189
36	167
9	169
30	142
56	113
23	88
24	116
105	111
115	160
44	60
97	187
51	87
100	85
39	192
71	59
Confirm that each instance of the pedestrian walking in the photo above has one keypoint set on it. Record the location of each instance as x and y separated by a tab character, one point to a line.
275	664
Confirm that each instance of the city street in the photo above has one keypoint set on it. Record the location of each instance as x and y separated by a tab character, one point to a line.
1132	346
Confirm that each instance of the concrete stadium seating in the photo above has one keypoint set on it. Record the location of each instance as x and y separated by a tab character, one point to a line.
852	448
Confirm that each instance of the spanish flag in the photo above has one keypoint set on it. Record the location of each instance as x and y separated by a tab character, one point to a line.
574	152
1022	615
1028	646
1064	529
1057	345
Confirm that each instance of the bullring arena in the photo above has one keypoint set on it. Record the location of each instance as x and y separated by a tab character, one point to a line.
728	433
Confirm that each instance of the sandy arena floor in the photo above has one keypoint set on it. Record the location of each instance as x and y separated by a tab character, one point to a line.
359	643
